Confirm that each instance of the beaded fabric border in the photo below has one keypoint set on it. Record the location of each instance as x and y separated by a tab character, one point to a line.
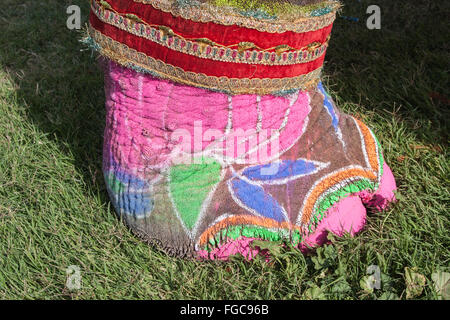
129	57
203	50
204	12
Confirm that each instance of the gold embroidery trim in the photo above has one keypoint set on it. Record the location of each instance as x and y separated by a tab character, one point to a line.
135	25
126	56
205	12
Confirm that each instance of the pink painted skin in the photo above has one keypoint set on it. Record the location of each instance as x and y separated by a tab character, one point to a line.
170	114
139	103
346	216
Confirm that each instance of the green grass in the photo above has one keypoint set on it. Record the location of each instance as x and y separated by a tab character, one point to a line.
54	209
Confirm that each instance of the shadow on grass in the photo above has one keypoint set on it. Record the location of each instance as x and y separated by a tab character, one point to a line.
60	87
396	68
402	67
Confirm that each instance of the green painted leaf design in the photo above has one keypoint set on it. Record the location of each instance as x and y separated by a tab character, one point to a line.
190	186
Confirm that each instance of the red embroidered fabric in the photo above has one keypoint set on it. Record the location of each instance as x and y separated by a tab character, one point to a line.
221	34
200	65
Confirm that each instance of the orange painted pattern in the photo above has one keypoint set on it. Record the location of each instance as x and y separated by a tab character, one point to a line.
371	145
243	220
328	183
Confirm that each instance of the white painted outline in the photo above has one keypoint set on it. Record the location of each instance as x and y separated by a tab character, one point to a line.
337	130
239	202
318	164
308	194
203	208
363	144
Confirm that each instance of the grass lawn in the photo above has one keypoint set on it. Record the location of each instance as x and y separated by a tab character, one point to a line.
54	209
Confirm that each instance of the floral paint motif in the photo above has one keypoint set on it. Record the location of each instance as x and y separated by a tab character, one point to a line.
219	198
201	179
248	188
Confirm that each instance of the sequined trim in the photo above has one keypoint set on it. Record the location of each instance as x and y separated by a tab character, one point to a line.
204	12
127	56
206	51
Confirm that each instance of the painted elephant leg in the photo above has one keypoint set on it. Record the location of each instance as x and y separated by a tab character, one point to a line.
219	130
315	179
